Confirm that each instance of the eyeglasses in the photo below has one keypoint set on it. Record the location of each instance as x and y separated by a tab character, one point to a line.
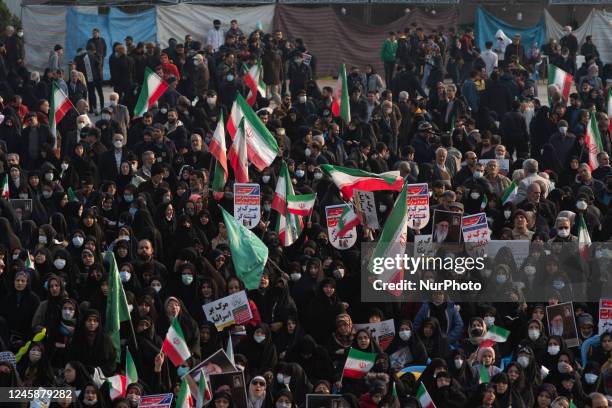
260	383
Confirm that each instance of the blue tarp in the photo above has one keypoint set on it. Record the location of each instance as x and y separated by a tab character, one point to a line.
114	27
487	25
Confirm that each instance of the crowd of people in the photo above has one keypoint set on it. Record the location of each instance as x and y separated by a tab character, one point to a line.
140	188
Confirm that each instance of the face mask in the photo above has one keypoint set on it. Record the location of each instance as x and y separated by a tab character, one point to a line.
295	276
259	339
318	176
557	284
81	125
561	367
501	278
477	174
405	335
35	355
265	179
67	314
280	377
283	405
181	371
239	367
458	363
90	402
581	205
299	173
475	196
156	288
229	78
523	361
530	270
307	152
563	130
59	263
125	276
382	208
534	334
130	308
118	144
564	233
128	198
105	116
123	237
78	241
46	193
20	34
302	99
187	279
42	239
113	103
338	273
554	350
163	110
499	156
211	101
590	378
489	320
476	332
286	379
64	166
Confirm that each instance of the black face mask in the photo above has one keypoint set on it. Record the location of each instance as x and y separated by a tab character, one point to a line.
476	332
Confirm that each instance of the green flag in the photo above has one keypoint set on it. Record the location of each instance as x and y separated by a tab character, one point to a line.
71	195
249	254
483	372
116	305
131	374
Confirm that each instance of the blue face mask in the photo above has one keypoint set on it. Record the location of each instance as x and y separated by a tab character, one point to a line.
133	210
181	371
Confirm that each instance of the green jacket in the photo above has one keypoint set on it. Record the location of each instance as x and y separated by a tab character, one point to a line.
387	54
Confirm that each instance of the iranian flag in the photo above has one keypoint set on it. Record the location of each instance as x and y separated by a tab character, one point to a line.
584	239
219	152
562	79
117	385
238	156
153	88
301	204
393	239
483	374
349	179
184	399
28	262
592	141
497	334
424	397
288	226
358	363
262	146
340	105
5	188
174	345
348	220
510	193
72	197
610	111
254	81
204	394
59	105
131	374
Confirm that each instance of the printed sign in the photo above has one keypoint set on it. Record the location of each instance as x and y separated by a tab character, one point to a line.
423	246
333	213
156	401
307	58
417	204
383	332
561	322
366	208
247	204
605	315
227	311
476	234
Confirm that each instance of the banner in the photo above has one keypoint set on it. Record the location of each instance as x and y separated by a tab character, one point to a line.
156	401
383	332
227	311
366	208
247	204
417	202
605	315
333	214
476	234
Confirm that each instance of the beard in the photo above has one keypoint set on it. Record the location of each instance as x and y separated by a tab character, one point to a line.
441	235
556	330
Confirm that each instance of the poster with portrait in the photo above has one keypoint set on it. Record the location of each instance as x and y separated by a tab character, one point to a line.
446	227
383	332
217	363
561	322
233	384
22	207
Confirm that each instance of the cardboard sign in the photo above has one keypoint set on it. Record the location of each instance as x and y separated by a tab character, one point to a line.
156	401
383	332
417	204
605	315
561	322
333	214
227	311
366	208
476	234
247	204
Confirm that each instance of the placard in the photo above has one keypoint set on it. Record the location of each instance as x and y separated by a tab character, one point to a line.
383	332
423	246
417	205
447	227
156	401
333	214
247	204
227	311
366	208
476	234
233	384
22	207
561	322
605	315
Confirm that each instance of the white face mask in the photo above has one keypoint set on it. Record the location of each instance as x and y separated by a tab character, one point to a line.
156	288
35	356
530	270
405	335
19	34
59	263
564	233
338	273
67	314
295	276
64	166
187	278
259	339
113	103
47	193
302	99
501	278
581	205
382	208
77	241
318	175
118	144
90	403
125	276
23	196
307	152
283	405
523	361
279	378
477	174
42	239
163	110
211	100
81	125
106	116
590	378
475	196
265	179
299	173
561	367
563	130
49	176
554	350
489	320
458	363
